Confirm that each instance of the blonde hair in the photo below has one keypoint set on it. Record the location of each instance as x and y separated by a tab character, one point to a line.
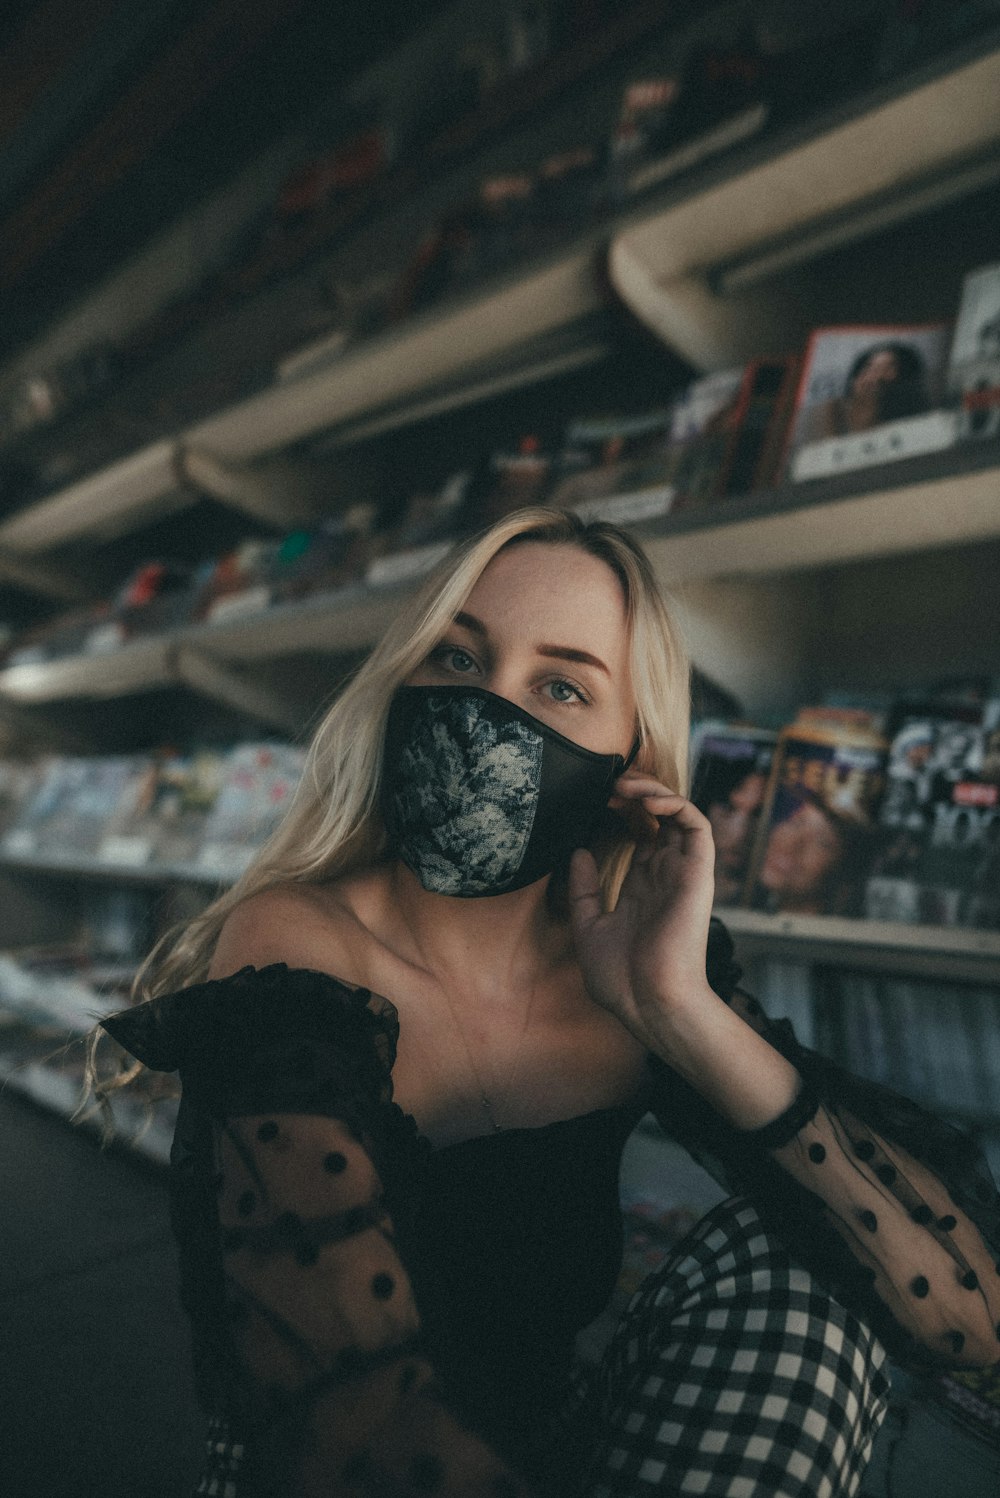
333	826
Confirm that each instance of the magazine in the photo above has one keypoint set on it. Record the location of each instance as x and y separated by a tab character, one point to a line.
938	860
815	839
700	436
618	467
75	799
974	361
258	782
729	782
855	380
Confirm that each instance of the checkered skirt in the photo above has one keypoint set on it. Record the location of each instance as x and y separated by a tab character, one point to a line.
732	1374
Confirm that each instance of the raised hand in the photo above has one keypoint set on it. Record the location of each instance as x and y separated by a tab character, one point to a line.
645	960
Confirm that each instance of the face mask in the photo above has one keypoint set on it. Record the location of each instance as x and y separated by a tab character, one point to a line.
479	797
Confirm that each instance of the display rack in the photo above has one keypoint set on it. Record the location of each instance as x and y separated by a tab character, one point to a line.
789	196
710	250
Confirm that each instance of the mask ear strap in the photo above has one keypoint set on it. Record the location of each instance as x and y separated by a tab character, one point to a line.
636	746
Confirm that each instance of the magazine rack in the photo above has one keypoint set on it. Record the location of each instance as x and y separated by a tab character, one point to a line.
782	589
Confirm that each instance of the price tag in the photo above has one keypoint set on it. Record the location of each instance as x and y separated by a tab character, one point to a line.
908	438
626	509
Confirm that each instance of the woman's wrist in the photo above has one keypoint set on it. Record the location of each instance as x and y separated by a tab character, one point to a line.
722	1058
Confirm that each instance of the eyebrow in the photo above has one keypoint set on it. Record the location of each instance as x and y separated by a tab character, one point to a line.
553	652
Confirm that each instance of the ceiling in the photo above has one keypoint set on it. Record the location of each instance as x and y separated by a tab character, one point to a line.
118	116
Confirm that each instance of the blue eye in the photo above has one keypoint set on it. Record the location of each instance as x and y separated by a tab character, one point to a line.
454	658
564	691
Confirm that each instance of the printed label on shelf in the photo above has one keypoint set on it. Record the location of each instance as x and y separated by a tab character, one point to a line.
128	852
909	438
20	842
384	571
234	605
625	509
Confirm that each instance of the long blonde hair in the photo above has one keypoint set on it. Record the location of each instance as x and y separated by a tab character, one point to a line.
333	826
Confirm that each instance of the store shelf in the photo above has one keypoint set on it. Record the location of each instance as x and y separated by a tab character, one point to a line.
872	163
136	667
692	245
77	867
117	499
915	504
929	951
912	505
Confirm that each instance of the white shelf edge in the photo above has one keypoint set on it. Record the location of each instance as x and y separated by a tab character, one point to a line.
104	504
947	509
935	950
135	667
916	516
94	868
706	222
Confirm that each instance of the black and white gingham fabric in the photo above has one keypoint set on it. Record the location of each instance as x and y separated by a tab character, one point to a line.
732	1374
223	1459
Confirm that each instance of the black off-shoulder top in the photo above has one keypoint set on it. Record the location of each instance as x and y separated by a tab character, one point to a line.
347	1281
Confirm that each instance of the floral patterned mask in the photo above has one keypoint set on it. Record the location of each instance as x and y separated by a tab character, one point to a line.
479	797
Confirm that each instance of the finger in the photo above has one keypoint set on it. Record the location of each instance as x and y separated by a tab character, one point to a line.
643	785
584	890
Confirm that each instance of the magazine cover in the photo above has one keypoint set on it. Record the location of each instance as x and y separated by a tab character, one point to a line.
764	393
75	799
729	784
700	436
938	860
857	379
815	840
258	782
974	361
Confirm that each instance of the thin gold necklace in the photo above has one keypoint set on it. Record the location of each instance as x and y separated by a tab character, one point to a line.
483	1095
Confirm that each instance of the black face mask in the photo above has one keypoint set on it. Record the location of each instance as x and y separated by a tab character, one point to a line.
479	797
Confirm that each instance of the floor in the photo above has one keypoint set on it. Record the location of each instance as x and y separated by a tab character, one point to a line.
95	1392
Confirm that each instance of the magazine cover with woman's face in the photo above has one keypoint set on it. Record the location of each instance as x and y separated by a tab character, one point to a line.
815	841
856	378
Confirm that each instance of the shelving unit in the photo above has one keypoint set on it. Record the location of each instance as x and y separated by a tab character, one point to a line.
710	262
707	244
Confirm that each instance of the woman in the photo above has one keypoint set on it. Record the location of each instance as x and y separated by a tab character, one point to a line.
396	1212
885	383
814	860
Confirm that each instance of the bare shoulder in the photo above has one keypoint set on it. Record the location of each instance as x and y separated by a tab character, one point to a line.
298	924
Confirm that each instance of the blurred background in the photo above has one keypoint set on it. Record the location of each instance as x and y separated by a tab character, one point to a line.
296	294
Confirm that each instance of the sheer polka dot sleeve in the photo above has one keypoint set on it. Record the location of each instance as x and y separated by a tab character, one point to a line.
895	1206
294	1179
